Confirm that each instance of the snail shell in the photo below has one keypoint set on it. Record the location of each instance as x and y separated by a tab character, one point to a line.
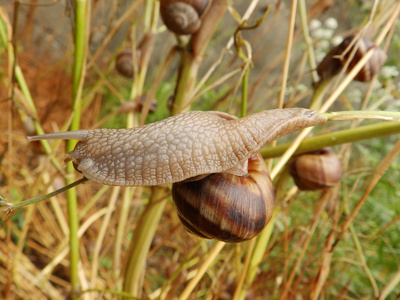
227	207
339	56
316	170
124	62
183	16
373	65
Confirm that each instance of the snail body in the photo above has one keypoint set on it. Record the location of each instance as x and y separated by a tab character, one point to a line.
183	16
227	207
316	170
180	147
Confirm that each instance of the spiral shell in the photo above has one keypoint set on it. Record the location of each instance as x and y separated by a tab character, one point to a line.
183	17
227	207
340	55
316	170
373	65
124	63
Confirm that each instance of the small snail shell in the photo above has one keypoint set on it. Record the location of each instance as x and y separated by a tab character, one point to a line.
372	66
183	16
180	147
124	63
137	105
227	207
316	170
338	57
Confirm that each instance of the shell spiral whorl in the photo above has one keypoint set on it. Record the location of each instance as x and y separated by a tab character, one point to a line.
227	207
182	17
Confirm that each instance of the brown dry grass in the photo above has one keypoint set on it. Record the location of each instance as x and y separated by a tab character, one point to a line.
34	257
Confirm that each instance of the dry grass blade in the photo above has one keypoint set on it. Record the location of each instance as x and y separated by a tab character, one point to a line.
341	243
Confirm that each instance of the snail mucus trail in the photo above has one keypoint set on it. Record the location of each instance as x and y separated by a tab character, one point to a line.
186	147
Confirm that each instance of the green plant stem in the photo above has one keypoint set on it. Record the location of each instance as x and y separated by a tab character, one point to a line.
42	197
187	76
80	39
245	83
28	97
362	114
258	254
149	220
141	242
308	40
336	138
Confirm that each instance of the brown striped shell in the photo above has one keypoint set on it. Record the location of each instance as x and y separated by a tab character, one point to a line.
373	65
183	16
315	170
227	207
349	53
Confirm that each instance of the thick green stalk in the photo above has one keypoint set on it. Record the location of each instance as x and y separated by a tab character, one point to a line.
141	241
336	138
189	67
80	39
149	220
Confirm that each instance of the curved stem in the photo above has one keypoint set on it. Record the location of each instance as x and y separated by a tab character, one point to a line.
42	197
336	138
359	114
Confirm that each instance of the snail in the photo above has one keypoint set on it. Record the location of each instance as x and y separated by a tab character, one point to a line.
124	63
183	16
315	170
338	57
372	66
191	144
227	207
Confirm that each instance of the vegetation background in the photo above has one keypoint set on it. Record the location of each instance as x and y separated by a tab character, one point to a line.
57	72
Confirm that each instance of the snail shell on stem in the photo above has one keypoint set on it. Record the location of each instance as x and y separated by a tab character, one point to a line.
315	170
180	147
349	53
373	65
124	62
183	16
227	207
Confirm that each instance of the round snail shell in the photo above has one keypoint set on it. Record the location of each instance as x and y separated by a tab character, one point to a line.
183	16
372	66
319	169
227	207
124	63
334	61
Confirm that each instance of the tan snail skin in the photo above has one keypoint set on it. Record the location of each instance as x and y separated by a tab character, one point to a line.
180	147
221	186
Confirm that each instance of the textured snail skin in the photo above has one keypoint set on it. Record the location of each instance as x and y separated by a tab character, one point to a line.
179	147
227	207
